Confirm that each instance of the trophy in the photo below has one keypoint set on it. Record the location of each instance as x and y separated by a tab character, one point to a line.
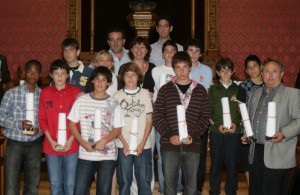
133	143
29	113
182	126
62	131
247	124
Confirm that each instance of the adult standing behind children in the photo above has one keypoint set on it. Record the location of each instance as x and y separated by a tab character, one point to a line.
79	74
224	141
22	150
116	40
246	88
139	52
203	75
4	74
104	58
164	27
61	159
270	161
175	154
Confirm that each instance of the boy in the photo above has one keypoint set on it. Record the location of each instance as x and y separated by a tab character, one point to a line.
79	74
181	91
96	156
61	162
168	50
200	72
253	70
224	145
22	150
203	75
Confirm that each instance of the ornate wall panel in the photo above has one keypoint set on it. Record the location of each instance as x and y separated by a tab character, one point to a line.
32	29
267	28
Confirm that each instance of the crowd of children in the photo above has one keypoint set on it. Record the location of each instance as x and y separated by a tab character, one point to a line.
93	131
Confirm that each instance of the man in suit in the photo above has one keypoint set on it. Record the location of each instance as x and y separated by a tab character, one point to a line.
4	74
271	160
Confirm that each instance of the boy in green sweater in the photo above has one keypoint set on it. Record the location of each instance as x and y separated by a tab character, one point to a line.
224	142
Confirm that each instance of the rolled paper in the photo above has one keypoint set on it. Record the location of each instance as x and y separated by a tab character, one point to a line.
97	124
182	127
162	80
226	112
29	101
62	129
271	119
30	116
133	142
22	82
246	120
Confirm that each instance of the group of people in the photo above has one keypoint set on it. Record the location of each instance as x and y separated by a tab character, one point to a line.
125	104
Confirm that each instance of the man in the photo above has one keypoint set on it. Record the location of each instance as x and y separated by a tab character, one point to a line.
4	74
164	26
116	41
271	160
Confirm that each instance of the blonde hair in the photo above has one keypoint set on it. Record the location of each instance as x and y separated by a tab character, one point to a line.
105	53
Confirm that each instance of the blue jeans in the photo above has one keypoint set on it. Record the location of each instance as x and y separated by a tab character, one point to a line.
85	173
18	154
189	163
61	171
160	170
142	169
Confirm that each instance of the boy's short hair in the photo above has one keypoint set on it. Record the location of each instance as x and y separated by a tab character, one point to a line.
59	64
130	66
193	42
139	40
165	17
115	29
36	63
181	56
171	43
224	63
104	71
252	58
70	42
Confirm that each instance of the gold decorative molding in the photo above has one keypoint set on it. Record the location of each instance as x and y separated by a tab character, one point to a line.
73	19
142	22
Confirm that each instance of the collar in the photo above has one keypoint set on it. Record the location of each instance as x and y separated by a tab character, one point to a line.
78	68
226	85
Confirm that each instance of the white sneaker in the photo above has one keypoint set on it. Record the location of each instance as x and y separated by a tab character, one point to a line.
179	193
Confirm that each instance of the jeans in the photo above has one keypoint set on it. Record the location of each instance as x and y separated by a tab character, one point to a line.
18	154
202	164
189	163
160	170
85	173
142	169
61	171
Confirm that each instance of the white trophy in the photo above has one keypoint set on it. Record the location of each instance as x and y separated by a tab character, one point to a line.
182	126
97	124
246	122
29	113
226	114
271	121
62	131
133	142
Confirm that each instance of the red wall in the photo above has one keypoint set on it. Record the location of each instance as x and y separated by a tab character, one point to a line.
32	29
267	28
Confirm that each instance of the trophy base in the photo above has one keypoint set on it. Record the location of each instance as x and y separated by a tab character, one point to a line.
132	152
251	140
185	140
268	138
28	132
59	147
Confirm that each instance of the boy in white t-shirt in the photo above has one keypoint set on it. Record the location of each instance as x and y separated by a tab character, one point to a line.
96	156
